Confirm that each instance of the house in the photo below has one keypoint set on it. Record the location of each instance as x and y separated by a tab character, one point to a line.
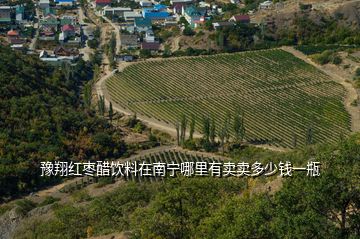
14	37
68	30
64	3
152	46
181	1
115	11
55	60
142	24
102	3
157	12
44	4
49	11
145	3
5	14
68	20
265	5
128	41
244	19
62	51
126	58
177	8
19	11
149	36
131	16
194	15
49	21
220	25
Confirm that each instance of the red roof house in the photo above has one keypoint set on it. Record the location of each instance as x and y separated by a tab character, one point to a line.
245	19
68	28
153	46
12	33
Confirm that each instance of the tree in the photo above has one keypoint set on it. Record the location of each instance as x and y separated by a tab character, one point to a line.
111	111
192	127
183	125
212	134
206	129
188	31
101	105
309	136
177	128
239	127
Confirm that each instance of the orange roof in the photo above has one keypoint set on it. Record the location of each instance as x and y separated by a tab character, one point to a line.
12	33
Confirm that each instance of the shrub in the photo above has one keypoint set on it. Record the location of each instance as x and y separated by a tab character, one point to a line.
24	206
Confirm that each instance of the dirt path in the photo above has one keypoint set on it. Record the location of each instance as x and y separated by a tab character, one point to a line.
351	95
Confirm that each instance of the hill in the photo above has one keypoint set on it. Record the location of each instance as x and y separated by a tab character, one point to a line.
281	97
42	119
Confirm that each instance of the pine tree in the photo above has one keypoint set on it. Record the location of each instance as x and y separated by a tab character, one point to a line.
111	112
192	127
206	129
212	131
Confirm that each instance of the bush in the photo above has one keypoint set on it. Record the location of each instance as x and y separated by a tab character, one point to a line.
24	206
188	31
81	196
48	200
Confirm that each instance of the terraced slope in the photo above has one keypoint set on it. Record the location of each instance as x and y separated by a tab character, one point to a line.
280	95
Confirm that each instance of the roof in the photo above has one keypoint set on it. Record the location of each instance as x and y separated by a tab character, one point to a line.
65	21
132	15
48	10
223	24
150	45
240	18
64	0
108	8
12	33
159	7
142	22
5	8
49	21
154	14
103	1
20	9
68	27
193	11
127	39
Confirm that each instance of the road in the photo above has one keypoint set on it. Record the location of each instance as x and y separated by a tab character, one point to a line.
32	45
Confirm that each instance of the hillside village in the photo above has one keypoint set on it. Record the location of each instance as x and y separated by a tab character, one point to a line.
59	31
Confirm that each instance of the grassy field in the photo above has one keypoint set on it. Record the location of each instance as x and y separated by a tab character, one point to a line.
281	96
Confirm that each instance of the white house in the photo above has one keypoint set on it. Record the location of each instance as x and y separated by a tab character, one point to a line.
131	16
115	11
265	5
149	36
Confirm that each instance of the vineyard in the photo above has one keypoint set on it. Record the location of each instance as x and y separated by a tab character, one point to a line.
281	96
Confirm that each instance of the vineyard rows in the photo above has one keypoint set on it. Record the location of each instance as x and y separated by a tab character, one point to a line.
281	95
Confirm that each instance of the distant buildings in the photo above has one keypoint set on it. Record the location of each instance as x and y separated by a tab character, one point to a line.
244	19
102	3
5	14
266	5
44	4
157	12
142	24
115	11
194	15
128	41
65	2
